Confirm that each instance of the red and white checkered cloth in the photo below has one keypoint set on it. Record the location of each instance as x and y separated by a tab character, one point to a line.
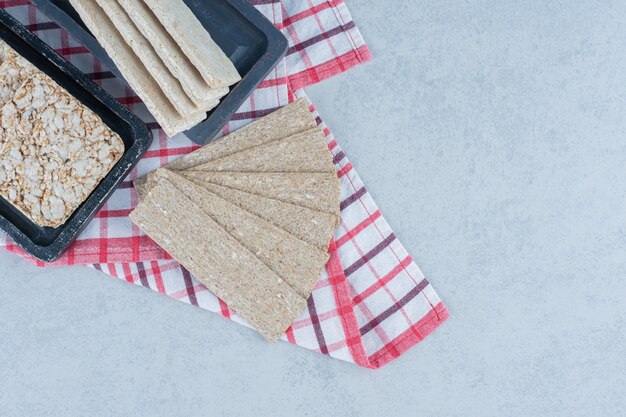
372	303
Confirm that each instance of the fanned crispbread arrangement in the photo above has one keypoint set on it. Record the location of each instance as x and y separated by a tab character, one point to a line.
165	54
54	150
250	215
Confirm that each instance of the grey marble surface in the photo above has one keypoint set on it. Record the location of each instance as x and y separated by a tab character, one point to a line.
491	133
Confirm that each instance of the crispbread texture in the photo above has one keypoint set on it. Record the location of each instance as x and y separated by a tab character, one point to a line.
311	190
195	41
221	263
313	226
302	152
144	184
148	56
284	122
172	55
287	121
297	262
134	71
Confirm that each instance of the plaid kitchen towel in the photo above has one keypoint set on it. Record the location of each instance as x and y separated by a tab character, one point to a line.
323	40
372	303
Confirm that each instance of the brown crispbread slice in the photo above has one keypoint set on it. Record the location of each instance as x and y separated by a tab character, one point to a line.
284	122
313	226
303	152
297	262
145	52
134	71
287	121
197	44
173	57
317	191
221	263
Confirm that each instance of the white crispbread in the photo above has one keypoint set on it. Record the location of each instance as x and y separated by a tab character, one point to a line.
197	44
134	71
172	55
145	52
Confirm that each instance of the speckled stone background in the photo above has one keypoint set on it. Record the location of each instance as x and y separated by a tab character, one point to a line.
493	136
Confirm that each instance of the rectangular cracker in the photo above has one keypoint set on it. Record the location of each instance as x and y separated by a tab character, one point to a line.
229	270
303	152
134	71
50	168
143	50
195	41
172	55
311	190
313	226
284	122
297	262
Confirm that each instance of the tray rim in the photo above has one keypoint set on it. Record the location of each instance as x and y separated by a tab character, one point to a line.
142	138
207	130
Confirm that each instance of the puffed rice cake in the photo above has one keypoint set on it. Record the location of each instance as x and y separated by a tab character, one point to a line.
55	151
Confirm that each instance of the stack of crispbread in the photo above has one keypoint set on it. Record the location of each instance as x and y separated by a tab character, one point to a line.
54	150
165	54
250	215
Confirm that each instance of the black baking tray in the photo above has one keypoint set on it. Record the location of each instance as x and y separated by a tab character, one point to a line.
46	243
251	42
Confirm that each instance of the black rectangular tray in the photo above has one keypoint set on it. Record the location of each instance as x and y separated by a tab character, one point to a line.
251	41
48	243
